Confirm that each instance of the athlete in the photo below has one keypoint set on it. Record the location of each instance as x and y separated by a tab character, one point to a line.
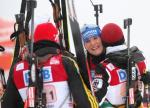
111	73
60	76
91	37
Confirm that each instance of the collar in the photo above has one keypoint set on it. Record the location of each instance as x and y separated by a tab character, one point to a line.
115	48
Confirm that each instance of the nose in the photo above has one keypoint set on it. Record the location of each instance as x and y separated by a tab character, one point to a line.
92	41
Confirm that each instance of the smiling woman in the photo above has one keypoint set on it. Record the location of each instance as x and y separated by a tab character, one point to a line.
116	11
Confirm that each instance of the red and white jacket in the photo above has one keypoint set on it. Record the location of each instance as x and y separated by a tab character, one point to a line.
62	83
115	78
54	79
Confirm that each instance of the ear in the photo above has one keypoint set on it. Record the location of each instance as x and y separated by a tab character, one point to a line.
85	45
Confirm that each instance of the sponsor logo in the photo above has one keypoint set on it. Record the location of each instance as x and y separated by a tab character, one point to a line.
26	77
20	66
97	83
110	66
54	61
122	75
46	73
134	73
90	32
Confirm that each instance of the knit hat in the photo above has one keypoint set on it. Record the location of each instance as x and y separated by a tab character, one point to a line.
45	39
112	35
46	31
90	30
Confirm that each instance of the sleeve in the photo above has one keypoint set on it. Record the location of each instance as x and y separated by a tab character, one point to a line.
144	75
100	83
11	97
81	95
141	66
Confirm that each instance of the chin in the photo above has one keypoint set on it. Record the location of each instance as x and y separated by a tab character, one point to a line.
96	53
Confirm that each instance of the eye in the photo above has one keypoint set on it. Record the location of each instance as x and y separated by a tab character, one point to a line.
95	38
87	41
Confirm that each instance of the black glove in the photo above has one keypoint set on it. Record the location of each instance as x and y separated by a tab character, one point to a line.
100	69
146	78
138	98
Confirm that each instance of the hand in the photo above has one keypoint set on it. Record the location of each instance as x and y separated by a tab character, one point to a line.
1	92
146	78
138	98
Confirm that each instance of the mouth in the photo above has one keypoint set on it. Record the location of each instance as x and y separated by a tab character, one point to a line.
95	48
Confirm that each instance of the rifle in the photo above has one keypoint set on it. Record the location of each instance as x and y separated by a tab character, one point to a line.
146	80
59	15
36	95
131	70
97	8
31	4
20	31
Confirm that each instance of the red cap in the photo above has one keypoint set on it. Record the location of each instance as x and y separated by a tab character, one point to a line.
112	35
46	31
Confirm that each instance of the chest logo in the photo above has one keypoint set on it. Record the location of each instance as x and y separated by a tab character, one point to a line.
46	73
122	75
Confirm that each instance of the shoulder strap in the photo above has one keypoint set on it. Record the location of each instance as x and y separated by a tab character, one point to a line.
85	99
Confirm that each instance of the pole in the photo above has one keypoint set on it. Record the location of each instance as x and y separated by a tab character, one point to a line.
129	88
98	9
